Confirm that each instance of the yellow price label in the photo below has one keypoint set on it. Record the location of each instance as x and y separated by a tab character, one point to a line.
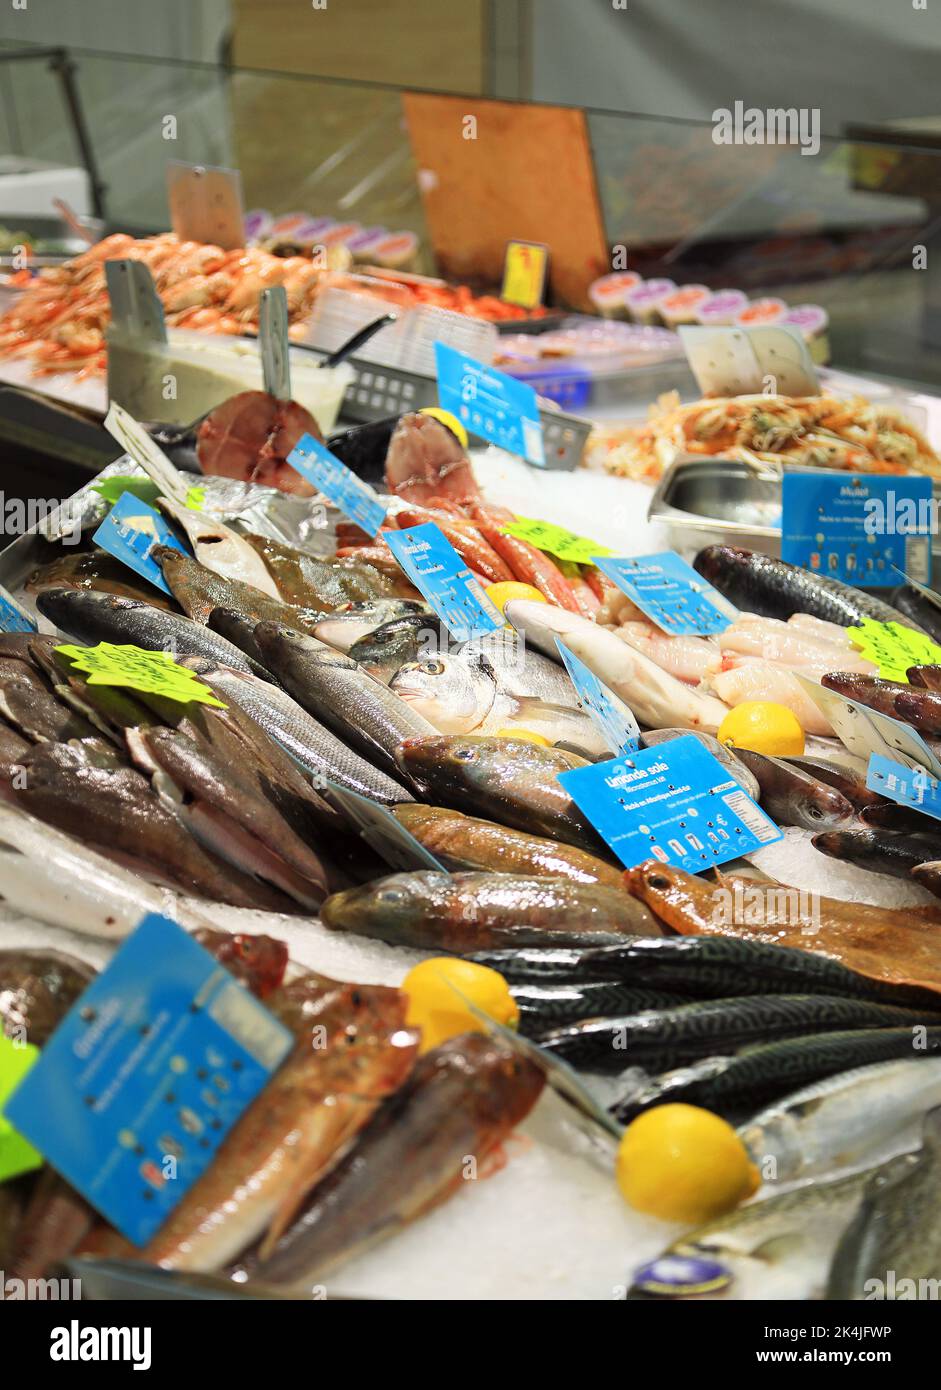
17	1155
893	647
133	668
524	273
556	540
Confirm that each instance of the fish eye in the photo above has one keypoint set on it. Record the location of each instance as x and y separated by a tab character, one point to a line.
467	754
658	881
390	896
432	667
815	812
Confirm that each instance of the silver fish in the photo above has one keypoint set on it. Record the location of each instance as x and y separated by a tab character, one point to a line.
774	1248
892	1247
307	742
99	617
342	630
335	689
465	692
844	1120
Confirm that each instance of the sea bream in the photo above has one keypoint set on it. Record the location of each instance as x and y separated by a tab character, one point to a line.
657	699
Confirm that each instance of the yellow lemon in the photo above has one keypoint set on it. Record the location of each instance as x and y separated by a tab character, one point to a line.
681	1163
441	1013
500	594
446	418
763	727
527	734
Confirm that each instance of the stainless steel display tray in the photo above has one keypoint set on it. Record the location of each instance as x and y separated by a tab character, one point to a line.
718	501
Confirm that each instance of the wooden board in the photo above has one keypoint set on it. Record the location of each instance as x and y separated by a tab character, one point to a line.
528	175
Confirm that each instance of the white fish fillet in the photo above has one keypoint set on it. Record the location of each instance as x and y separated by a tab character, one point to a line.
688	658
221	549
819	627
657	699
773	640
761	680
48	875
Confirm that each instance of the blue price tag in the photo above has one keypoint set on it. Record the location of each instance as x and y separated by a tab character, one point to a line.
13	616
130	531
858	529
146	1074
435	568
330	476
674	802
670	592
909	786
490	404
610	713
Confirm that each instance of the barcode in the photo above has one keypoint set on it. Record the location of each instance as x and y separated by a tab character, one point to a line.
916	558
750	816
532	442
249	1024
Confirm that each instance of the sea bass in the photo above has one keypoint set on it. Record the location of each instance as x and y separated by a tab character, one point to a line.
477	911
464	1097
309	744
774	589
343	629
92	617
657	699
335	689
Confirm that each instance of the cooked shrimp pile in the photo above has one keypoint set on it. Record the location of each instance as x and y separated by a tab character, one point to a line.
59	321
816	431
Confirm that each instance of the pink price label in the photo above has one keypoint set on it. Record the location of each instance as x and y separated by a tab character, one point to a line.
650	291
809	318
722	307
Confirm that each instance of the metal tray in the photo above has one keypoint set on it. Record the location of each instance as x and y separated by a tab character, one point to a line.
714	501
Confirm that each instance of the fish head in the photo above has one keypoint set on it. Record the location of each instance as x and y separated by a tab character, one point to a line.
506	1085
361	1034
680	899
410	637
389	903
260	961
453	693
280	645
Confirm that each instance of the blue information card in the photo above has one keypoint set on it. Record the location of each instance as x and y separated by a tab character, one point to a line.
859	529
610	713
146	1074
490	403
330	476
13	616
909	786
438	572
670	592
130	531
674	802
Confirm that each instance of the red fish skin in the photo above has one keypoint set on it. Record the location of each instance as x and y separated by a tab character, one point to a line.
529	564
473	549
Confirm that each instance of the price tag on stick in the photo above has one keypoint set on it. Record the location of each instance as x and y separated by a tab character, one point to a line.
671	593
490	404
858	529
435	568
674	802
330	475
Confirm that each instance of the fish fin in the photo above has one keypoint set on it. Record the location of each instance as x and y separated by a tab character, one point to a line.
779	1247
533	706
288	1210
